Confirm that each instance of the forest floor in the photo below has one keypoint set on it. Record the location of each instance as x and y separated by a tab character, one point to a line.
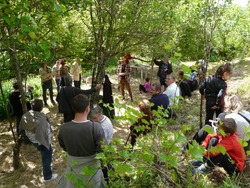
29	175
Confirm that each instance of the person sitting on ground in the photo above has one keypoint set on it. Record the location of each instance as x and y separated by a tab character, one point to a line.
37	128
233	109
165	68
158	99
146	87
66	95
233	161
183	85
173	90
81	139
213	89
142	126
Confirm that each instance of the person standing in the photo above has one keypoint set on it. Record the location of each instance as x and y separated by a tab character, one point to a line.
65	96
213	89
16	105
38	129
81	139
56	72
76	73
64	71
173	90
46	79
123	72
165	68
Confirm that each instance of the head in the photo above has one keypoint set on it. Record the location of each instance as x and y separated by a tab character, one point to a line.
147	79
68	80
58	62
122	61
96	114
43	64
80	104
181	75
15	85
37	105
224	71
228	126
63	61
233	103
144	106
170	79
165	60
155	88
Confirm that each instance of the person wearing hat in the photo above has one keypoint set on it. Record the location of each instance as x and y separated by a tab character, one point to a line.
65	96
123	72
46	80
165	68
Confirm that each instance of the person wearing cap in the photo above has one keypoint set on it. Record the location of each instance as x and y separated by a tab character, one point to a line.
65	96
165	68
123	72
46	80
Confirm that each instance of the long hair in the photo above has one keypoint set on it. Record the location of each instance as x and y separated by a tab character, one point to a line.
224	68
233	103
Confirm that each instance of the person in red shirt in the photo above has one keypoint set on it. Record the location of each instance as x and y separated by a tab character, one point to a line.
232	160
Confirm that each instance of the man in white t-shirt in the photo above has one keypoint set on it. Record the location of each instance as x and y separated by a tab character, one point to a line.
173	90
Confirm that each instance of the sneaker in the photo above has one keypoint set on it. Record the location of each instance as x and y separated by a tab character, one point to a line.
202	170
196	164
53	177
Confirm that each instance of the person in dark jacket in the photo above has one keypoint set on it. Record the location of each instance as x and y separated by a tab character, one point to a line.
183	84
158	99
213	89
16	105
108	98
65	96
165	67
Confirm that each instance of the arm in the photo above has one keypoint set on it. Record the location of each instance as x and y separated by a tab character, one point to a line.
221	94
99	136
60	140
89	91
157	62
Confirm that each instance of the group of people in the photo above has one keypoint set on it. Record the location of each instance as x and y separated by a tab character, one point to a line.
232	128
58	72
85	128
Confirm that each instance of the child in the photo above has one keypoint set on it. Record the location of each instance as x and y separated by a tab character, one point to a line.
233	161
214	90
146	87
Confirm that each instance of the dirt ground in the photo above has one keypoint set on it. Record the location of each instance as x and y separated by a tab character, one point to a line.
29	175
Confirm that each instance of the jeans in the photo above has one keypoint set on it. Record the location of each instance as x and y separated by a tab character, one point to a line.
46	155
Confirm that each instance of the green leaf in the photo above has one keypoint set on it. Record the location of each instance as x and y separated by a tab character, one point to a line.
32	35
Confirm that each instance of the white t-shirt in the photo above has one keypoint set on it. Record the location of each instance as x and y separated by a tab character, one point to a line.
107	128
242	125
173	92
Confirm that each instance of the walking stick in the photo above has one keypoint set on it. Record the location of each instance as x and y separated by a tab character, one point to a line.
128	138
201	104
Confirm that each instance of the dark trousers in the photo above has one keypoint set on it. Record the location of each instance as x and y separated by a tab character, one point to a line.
142	88
50	93
46	155
210	112
223	161
77	84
